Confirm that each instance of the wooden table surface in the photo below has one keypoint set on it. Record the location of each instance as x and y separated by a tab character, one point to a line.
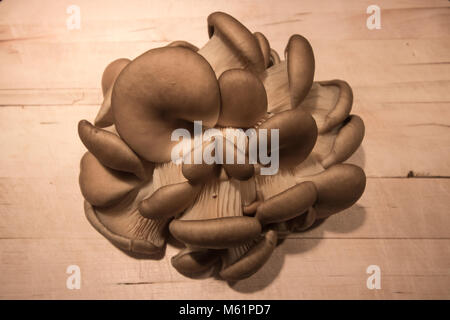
400	74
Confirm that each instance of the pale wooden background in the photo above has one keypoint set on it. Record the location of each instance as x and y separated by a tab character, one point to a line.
50	79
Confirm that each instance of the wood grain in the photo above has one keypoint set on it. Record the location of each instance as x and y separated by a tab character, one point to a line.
298	269
400	75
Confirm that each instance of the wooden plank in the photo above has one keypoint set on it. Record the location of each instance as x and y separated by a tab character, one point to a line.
39	171
298	269
50	96
400	69
47	55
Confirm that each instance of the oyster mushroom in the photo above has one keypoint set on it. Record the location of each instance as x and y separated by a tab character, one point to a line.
264	46
145	117
110	207
242	262
231	46
104	117
226	214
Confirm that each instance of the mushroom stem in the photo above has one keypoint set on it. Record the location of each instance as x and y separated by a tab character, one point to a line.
220	56
276	83
220	198
270	185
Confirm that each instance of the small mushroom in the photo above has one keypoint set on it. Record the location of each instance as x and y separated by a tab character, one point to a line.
172	192
215	233
242	262
102	186
338	188
287	83
297	135
347	141
264	46
287	204
169	200
340	134
105	117
110	150
243	99
231	46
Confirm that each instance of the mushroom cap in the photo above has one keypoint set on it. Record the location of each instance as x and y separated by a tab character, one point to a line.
184	44
218	233
300	66
111	72
239	38
252	260
264	46
110	150
108	226
338	188
162	90
102	186
243	99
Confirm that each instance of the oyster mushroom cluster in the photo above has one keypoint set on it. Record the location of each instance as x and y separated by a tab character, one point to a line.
228	216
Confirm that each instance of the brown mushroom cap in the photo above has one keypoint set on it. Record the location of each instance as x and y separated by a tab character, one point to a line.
102	186
104	117
341	109
243	99
287	204
216	233
110	150
184	44
348	140
111	72
239	38
338	188
252	260
264	46
162	90
300	66
169	200
297	135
